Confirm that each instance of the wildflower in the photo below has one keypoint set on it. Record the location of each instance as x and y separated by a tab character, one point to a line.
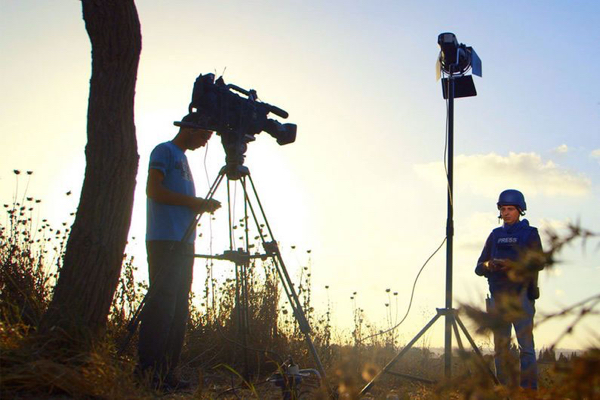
29	172
16	171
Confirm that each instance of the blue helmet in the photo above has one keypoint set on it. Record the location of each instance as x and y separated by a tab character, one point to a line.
512	197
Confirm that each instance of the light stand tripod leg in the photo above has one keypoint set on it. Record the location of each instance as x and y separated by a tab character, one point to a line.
459	341
477	351
285	279
406	348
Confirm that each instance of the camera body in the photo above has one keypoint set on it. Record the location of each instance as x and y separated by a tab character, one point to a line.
235	118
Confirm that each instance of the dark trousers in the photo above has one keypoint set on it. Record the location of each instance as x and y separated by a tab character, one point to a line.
524	310
164	317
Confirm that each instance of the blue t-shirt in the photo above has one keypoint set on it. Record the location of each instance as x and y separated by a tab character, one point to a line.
163	221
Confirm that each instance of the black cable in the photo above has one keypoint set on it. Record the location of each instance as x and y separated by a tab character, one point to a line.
411	297
446	139
451	195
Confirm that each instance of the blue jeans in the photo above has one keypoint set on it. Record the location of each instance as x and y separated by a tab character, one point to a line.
164	317
518	311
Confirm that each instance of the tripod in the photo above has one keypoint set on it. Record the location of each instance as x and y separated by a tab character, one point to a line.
452	320
241	258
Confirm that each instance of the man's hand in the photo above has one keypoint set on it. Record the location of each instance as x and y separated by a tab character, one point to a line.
496	265
202	205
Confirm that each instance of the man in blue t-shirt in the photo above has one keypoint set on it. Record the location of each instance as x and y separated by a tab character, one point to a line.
171	208
510	260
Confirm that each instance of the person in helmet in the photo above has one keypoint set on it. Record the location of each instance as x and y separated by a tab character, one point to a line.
172	205
511	260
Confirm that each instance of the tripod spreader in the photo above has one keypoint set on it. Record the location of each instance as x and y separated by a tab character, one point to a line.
240	256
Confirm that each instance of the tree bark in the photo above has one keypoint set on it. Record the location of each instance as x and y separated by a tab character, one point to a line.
94	252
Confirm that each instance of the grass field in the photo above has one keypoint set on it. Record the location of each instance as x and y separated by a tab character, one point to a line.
32	366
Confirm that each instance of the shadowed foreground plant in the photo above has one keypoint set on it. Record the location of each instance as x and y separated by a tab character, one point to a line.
37	368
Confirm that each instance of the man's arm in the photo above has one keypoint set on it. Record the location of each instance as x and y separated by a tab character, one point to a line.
483	263
159	193
534	246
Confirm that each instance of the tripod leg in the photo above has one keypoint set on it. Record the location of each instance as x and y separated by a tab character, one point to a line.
476	349
209	195
459	341
281	269
285	279
241	305
406	348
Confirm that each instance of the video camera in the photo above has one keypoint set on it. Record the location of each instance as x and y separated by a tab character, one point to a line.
236	119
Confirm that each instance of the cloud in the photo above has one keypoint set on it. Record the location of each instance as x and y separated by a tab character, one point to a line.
472	231
554	224
563	148
595	154
488	174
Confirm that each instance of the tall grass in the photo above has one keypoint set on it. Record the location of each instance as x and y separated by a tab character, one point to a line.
31	256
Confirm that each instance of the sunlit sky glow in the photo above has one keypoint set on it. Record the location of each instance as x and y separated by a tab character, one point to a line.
363	187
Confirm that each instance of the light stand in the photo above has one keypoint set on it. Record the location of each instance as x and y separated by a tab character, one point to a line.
454	61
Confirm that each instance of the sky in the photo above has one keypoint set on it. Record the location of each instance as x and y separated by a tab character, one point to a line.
363	188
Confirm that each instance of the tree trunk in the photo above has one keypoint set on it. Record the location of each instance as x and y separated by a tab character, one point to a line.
94	252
